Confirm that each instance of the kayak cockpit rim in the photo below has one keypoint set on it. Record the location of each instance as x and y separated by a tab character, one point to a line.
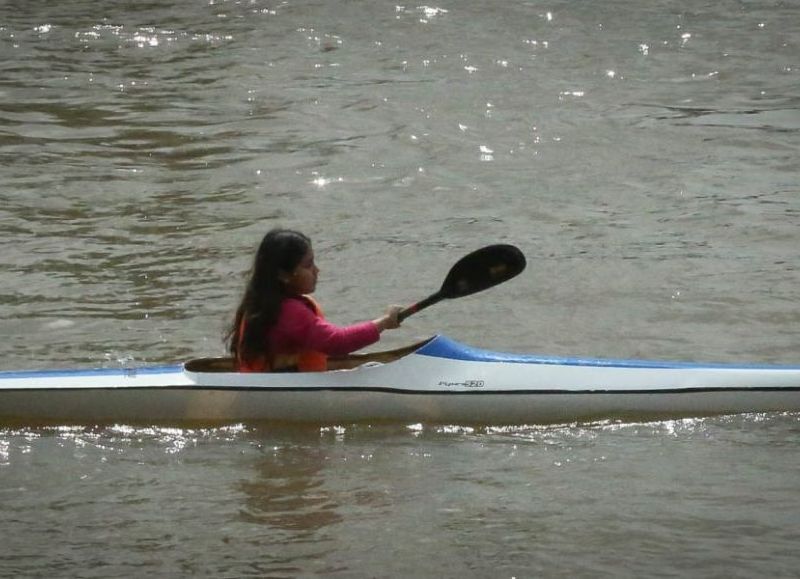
227	364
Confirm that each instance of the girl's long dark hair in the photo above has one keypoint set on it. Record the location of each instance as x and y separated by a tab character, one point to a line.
281	251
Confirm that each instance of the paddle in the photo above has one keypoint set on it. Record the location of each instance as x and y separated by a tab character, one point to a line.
475	272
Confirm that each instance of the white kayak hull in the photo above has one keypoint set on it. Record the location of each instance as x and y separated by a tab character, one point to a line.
438	382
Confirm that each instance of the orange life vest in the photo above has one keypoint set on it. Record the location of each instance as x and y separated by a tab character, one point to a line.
308	361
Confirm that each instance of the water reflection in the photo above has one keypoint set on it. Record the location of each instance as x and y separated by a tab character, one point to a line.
288	491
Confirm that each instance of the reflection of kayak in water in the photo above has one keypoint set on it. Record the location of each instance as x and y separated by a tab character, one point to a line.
435	381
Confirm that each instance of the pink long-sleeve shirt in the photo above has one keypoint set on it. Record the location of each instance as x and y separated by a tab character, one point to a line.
300	329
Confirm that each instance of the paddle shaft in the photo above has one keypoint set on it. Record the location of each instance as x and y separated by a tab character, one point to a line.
421	305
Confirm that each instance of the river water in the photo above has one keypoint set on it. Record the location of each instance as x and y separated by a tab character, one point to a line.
643	155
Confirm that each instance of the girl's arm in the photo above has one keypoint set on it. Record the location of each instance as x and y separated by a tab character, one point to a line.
300	328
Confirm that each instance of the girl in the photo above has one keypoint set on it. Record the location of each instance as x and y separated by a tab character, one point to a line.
278	327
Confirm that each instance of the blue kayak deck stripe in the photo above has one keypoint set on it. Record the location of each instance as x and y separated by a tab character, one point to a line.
443	347
88	372
438	347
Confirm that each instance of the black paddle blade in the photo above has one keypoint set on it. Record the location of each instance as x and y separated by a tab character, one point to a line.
482	269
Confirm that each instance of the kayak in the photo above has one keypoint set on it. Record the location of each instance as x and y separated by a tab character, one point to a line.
437	381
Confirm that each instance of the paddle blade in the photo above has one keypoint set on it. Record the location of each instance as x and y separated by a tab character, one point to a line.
482	269
475	272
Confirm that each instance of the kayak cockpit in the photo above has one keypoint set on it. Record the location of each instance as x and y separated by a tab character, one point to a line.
210	365
227	364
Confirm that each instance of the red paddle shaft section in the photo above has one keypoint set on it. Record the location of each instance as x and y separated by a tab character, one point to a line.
413	309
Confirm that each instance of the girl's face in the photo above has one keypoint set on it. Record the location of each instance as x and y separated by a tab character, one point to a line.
303	279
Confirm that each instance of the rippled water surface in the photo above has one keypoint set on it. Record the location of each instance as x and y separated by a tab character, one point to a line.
704	498
642	154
